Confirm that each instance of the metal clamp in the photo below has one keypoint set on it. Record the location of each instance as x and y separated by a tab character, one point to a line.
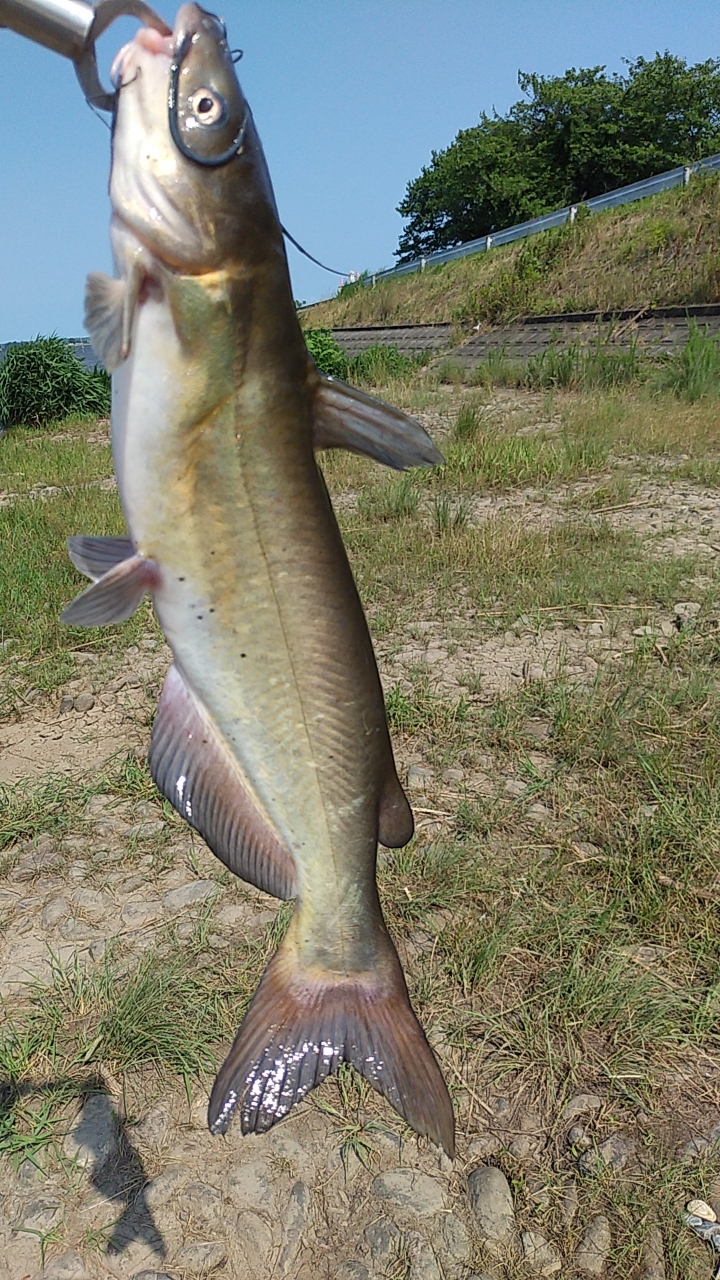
71	28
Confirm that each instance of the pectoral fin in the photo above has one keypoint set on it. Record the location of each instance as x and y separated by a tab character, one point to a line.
346	418
115	596
109	312
104	310
196	773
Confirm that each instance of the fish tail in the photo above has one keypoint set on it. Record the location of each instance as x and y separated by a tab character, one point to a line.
302	1025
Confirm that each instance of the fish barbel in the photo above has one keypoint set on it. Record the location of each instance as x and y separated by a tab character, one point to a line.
271	737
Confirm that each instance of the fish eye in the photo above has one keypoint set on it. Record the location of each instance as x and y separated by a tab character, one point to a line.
207	113
207	107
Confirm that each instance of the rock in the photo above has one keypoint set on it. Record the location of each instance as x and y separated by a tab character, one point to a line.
250	1184
539	730
151	1275
146	830
54	912
699	1146
581	1102
530	1139
36	860
66	704
423	1263
483	1146
542	1256
453	775
202	1258
189	895
40	1215
515	787
90	902
201	1200
613	1153
95	1137
295	1217
701	1209
97	950
68	1266
653	1256
411	1189
456	1243
382	1238
76	931
165	1187
110	828
255	1241
569	1204
596	629
644	631
84	702
586	849
578	1138
685	611
353	1270
418	776
139	912
538	812
491	1203
592	1251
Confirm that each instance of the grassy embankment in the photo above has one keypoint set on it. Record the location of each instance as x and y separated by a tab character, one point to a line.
658	252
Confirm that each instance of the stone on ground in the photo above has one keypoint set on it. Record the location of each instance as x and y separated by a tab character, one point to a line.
492	1205
592	1253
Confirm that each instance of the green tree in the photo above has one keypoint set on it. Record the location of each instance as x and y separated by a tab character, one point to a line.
571	137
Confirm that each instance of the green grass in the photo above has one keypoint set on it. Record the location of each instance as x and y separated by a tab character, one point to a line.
520	938
37	580
30	459
169	1014
503	565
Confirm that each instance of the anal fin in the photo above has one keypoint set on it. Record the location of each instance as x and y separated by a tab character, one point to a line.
347	418
115	596
196	772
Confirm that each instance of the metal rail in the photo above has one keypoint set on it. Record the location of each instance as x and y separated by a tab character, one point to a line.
679	177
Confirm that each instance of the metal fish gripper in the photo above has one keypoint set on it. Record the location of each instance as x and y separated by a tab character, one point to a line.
71	28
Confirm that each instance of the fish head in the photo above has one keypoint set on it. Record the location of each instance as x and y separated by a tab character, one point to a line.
188	178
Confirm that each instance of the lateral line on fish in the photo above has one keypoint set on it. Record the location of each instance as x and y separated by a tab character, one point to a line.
291	660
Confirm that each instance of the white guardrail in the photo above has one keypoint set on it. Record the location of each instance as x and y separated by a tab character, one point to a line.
679	177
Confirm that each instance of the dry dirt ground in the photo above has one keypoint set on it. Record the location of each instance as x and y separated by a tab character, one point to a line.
132	1185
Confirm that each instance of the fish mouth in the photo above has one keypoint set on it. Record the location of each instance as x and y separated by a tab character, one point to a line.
190	18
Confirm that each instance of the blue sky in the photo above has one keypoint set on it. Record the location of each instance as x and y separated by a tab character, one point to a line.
350	97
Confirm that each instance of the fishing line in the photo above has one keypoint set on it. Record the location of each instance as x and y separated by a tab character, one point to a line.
317	261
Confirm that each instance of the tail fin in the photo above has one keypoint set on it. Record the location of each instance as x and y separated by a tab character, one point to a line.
302	1025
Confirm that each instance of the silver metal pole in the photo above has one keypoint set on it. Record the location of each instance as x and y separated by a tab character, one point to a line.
62	25
71	27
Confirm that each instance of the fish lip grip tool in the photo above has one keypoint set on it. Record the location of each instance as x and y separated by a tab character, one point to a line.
71	28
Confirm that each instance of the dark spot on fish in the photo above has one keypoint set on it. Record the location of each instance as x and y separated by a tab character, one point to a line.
199	617
243	655
211	610
181	579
